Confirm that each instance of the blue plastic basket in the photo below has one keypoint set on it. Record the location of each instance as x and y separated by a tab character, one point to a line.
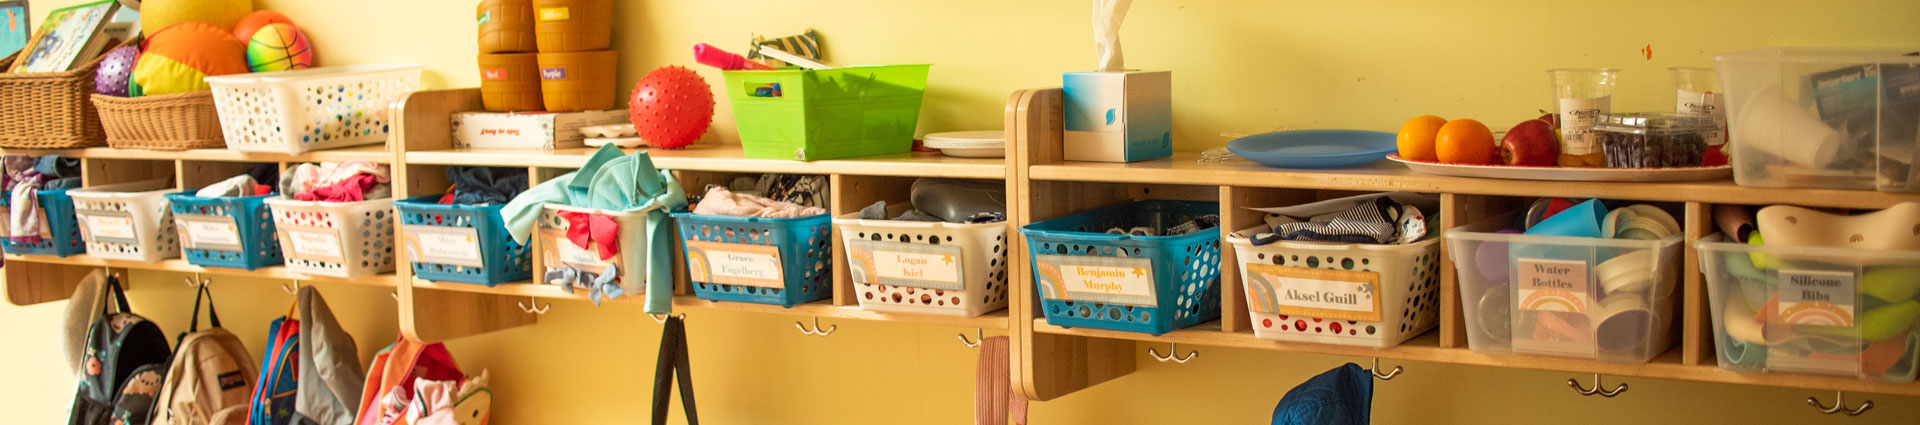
470	243
251	221
1184	269
64	239
802	249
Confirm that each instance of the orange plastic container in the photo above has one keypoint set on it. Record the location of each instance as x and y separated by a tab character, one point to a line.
573	25
510	82
578	81
506	26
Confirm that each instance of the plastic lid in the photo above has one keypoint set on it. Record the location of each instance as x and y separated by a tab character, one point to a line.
966	139
1643	121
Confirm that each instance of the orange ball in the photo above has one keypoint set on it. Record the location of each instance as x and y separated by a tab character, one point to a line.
1465	141
253	22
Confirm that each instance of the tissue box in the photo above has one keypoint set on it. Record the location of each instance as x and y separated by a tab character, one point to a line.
1118	116
530	130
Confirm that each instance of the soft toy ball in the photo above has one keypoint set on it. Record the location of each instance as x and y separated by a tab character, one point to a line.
671	107
180	57
279	47
156	15
115	69
256	20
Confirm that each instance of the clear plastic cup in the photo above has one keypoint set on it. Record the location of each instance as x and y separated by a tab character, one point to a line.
1582	96
1697	92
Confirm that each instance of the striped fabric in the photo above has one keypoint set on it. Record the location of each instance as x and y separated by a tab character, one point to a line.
806	44
1370	223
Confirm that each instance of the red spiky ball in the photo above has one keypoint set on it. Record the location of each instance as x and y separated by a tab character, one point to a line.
671	107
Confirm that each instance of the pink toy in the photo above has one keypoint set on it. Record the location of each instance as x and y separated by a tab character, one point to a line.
115	70
712	56
671	107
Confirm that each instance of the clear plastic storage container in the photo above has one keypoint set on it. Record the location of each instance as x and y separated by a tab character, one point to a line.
1827	311
1654	139
1838	118
1588	298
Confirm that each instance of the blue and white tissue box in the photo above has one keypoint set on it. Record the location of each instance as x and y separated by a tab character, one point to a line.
1118	116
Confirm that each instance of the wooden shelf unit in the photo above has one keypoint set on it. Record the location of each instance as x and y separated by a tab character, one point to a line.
1052	361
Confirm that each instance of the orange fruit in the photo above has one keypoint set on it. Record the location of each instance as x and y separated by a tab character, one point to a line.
1465	141
1416	138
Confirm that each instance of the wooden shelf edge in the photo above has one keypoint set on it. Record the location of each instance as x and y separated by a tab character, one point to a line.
824	309
375	153
1425	348
387	280
727	158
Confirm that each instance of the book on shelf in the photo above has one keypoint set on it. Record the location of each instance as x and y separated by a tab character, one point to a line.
68	37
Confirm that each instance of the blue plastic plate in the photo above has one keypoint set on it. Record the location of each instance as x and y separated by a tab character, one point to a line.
1314	148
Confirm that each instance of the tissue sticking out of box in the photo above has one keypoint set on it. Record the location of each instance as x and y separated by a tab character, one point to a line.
1107	15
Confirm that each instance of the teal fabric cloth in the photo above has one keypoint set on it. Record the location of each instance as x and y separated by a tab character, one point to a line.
614	182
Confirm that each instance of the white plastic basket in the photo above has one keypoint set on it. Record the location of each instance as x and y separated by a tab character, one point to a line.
1334	282
321	108
340	239
557	252
127	221
926	267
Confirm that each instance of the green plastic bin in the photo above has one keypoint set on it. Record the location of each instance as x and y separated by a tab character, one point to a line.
829	113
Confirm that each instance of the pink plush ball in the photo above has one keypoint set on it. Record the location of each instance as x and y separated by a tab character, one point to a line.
671	107
115	71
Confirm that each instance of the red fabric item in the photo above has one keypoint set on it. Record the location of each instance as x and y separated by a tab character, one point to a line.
585	230
353	189
447	198
261	189
397	368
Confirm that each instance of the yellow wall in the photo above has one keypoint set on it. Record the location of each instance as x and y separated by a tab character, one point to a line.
1242	66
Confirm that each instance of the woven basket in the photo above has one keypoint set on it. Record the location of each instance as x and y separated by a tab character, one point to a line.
166	122
49	110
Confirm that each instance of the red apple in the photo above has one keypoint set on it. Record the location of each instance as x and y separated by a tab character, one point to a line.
1551	118
1532	143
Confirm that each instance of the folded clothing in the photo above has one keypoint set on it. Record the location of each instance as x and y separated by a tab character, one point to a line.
723	202
1370	223
241	185
485	185
350	181
1200	223
798	189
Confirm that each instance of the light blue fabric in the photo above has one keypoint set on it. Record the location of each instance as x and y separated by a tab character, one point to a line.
520	213
611	181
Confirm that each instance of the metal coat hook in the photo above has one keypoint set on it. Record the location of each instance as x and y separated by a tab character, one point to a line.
978	337
542	309
1172	348
395	295
291	290
662	318
1387	376
197	281
816	328
1575	383
1840	405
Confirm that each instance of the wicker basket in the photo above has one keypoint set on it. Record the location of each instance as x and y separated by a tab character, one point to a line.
49	110
167	122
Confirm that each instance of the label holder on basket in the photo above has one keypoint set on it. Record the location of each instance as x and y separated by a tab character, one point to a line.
458	246
1124	281
216	232
908	265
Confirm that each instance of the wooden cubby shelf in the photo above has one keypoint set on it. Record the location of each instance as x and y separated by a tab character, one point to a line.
823	309
370	153
387	280
727	158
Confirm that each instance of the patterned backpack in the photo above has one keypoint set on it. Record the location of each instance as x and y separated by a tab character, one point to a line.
134	405
119	344
273	396
211	378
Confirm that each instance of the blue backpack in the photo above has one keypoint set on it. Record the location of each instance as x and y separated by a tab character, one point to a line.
273	396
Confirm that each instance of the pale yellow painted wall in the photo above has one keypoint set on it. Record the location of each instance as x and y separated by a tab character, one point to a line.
1242	66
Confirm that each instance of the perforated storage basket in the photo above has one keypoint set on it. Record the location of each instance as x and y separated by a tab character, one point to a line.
235	232
63	236
340	239
1611	300
810	115
926	267
460	243
557	252
1769	315
311	109
1153	284
1374	295
127	221
779	261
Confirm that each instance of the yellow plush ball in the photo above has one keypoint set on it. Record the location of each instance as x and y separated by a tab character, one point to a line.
156	15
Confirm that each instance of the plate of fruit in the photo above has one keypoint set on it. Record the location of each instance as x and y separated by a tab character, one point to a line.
1632	148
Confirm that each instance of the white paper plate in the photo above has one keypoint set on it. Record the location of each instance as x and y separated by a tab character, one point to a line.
1579	174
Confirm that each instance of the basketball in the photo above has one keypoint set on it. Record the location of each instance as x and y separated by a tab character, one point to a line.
279	47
